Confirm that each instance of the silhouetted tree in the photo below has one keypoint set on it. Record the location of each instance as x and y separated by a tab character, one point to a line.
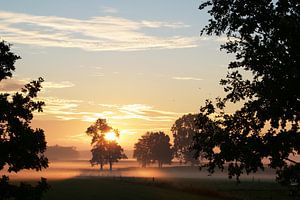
21	147
184	130
142	150
99	154
290	176
114	153
153	147
265	38
104	151
97	132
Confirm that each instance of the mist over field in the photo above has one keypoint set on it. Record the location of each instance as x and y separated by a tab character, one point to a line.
59	170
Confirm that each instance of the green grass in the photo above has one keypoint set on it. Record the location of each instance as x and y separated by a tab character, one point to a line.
163	189
103	188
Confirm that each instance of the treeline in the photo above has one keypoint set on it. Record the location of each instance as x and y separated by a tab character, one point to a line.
155	147
61	153
152	147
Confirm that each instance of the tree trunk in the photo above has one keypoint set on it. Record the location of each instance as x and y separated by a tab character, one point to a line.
101	167
110	166
160	164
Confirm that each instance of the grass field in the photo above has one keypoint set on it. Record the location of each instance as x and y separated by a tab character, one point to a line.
103	188
78	180
115	188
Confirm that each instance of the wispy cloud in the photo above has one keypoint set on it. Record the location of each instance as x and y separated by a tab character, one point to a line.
109	105
159	24
11	85
15	84
100	33
71	110
146	112
58	85
97	75
58	107
187	78
110	10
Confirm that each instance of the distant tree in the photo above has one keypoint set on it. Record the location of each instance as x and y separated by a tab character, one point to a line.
114	153
104	151
21	147
153	147
61	153
265	38
184	130
97	132
142	150
161	148
99	154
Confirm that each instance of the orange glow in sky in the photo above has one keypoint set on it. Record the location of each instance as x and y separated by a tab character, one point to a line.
139	71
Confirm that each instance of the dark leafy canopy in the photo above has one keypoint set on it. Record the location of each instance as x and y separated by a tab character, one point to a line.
21	147
184	130
104	151
264	35
97	132
153	147
7	61
114	152
142	150
23	191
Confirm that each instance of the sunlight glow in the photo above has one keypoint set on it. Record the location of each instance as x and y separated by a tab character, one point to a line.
110	136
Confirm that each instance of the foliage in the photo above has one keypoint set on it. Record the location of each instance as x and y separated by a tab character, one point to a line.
114	153
142	150
153	147
97	131
290	175
104	151
184	131
21	147
264	36
22	192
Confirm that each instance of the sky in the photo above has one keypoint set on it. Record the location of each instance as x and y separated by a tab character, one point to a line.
139	64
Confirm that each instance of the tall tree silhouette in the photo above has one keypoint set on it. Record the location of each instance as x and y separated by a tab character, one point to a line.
142	150
114	153
153	147
103	150
265	38
21	147
184	130
97	132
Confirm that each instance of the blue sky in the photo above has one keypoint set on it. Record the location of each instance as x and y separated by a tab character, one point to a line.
140	64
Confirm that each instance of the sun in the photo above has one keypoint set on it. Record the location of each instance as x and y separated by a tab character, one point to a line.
110	136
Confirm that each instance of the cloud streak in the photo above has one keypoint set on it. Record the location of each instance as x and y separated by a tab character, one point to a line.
15	85
187	78
100	33
109	10
58	85
71	110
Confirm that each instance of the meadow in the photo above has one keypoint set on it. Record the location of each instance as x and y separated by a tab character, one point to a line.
144	188
78	180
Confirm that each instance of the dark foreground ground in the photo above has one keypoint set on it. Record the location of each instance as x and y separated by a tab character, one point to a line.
115	188
78	180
